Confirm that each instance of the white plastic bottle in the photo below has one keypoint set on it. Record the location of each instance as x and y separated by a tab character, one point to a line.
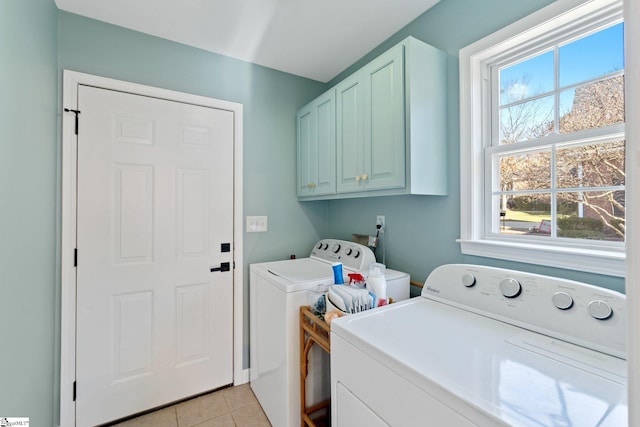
377	282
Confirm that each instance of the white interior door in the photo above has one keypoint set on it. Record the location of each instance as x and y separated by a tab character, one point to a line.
154	210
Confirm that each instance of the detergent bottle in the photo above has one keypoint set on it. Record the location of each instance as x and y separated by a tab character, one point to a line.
377	282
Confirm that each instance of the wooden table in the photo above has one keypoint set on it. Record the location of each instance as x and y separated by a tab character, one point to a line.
313	330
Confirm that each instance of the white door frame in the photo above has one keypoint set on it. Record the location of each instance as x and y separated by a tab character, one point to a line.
71	81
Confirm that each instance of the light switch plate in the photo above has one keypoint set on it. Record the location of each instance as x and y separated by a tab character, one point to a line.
256	224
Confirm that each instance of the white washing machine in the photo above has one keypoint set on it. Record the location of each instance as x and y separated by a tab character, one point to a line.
484	347
277	290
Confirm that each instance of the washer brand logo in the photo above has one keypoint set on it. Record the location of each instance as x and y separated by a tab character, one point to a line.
14	421
432	290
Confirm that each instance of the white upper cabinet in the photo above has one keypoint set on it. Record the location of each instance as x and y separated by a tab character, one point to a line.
317	147
390	126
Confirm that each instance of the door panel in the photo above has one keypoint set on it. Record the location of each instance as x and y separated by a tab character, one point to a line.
306	164
155	202
384	122
350	133
316	135
133	213
132	335
326	144
192	212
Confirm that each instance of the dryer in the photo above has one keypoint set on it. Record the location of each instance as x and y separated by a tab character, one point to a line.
484	346
277	290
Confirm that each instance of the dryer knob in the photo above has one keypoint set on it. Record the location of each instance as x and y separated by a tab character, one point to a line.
510	288
468	280
562	300
356	253
336	248
349	251
599	310
319	245
325	246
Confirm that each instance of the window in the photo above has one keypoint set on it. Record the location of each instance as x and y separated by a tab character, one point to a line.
542	139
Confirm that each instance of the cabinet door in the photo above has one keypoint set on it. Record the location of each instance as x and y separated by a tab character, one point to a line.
370	124
350	133
317	147
384	122
306	146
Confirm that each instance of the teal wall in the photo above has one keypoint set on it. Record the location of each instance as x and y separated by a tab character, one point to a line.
422	230
28	69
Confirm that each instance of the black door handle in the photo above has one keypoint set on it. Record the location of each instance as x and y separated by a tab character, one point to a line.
224	266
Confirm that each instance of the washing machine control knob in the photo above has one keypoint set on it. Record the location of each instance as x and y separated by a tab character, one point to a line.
510	287
599	309
319	245
468	280
336	248
357	253
562	300
325	246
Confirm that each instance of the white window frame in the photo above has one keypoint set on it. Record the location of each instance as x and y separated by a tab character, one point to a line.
540	28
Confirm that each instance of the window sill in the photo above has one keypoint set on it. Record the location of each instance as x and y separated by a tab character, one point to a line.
610	263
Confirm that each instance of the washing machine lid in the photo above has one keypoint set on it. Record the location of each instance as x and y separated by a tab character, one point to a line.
295	274
300	270
516	376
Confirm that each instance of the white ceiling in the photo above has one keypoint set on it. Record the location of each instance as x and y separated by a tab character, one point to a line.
312	38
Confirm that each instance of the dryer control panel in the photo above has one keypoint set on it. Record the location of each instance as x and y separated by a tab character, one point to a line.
353	256
580	313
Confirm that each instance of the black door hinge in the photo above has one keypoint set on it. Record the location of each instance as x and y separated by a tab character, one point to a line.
74	391
75	257
76	112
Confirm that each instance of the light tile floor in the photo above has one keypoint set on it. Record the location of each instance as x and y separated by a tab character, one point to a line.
230	407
